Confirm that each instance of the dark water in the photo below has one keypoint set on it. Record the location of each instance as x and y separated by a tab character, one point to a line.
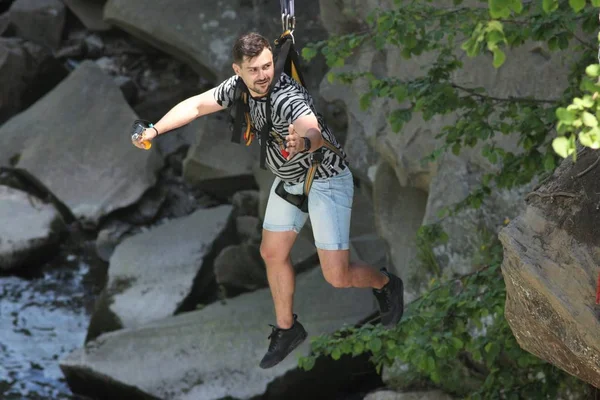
44	315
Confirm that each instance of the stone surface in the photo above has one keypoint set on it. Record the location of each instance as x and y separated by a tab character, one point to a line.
424	395
90	13
29	229
152	273
76	141
551	265
214	352
217	165
40	21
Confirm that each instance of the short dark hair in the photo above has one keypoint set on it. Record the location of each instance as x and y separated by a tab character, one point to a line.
249	45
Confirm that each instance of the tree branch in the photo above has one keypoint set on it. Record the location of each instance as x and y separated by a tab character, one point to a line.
473	93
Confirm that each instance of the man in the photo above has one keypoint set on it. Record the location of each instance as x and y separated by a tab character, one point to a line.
299	132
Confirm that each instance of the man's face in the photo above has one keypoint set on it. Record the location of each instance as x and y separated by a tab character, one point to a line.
257	72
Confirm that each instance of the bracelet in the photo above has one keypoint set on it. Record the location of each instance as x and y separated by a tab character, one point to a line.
155	130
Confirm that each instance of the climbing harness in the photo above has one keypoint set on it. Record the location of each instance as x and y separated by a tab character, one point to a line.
286	59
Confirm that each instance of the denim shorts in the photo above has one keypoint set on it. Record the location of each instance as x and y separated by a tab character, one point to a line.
329	208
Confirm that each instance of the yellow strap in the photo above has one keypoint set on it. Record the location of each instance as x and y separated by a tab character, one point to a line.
248	134
310	176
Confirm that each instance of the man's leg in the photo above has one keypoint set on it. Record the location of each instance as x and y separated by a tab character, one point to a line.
275	251
330	208
281	226
340	273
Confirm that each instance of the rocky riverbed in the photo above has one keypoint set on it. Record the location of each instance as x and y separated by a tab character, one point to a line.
43	316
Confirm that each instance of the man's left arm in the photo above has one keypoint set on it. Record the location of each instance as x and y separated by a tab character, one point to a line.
305	126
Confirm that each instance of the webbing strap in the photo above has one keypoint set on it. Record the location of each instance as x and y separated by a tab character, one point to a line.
316	162
239	110
266	130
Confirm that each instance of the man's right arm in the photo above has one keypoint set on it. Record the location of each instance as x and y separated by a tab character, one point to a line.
185	112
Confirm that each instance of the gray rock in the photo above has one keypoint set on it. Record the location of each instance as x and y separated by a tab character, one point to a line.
249	229
109	237
202	33
152	273
240	266
40	21
217	165
27	72
90	13
29	230
550	266
399	213
264	179
214	352
423	395
4	23
245	202
89	123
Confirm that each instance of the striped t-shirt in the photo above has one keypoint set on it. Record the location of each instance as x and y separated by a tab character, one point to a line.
289	101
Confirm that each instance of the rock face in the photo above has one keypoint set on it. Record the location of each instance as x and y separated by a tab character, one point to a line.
29	228
152	273
214	352
380	156
551	263
76	142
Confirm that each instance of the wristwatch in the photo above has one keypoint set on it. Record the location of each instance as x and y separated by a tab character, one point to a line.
307	144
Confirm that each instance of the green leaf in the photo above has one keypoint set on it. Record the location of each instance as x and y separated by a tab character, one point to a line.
550	5
430	363
562	146
499	57
565	116
457	343
596	3
499	8
359	348
549	163
336	354
593	70
589	120
577	5
517	6
308	363
375	344
308	53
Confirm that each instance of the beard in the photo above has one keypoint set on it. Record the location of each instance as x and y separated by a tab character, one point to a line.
261	88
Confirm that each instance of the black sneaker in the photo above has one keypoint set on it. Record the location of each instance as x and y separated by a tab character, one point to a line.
391	300
283	342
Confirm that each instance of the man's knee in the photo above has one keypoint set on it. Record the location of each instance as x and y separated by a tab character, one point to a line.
337	274
272	252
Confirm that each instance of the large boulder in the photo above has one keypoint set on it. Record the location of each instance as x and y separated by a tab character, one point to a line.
217	165
29	230
422	395
90	13
27	72
76	141
40	21
202	33
551	265
211	353
151	274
